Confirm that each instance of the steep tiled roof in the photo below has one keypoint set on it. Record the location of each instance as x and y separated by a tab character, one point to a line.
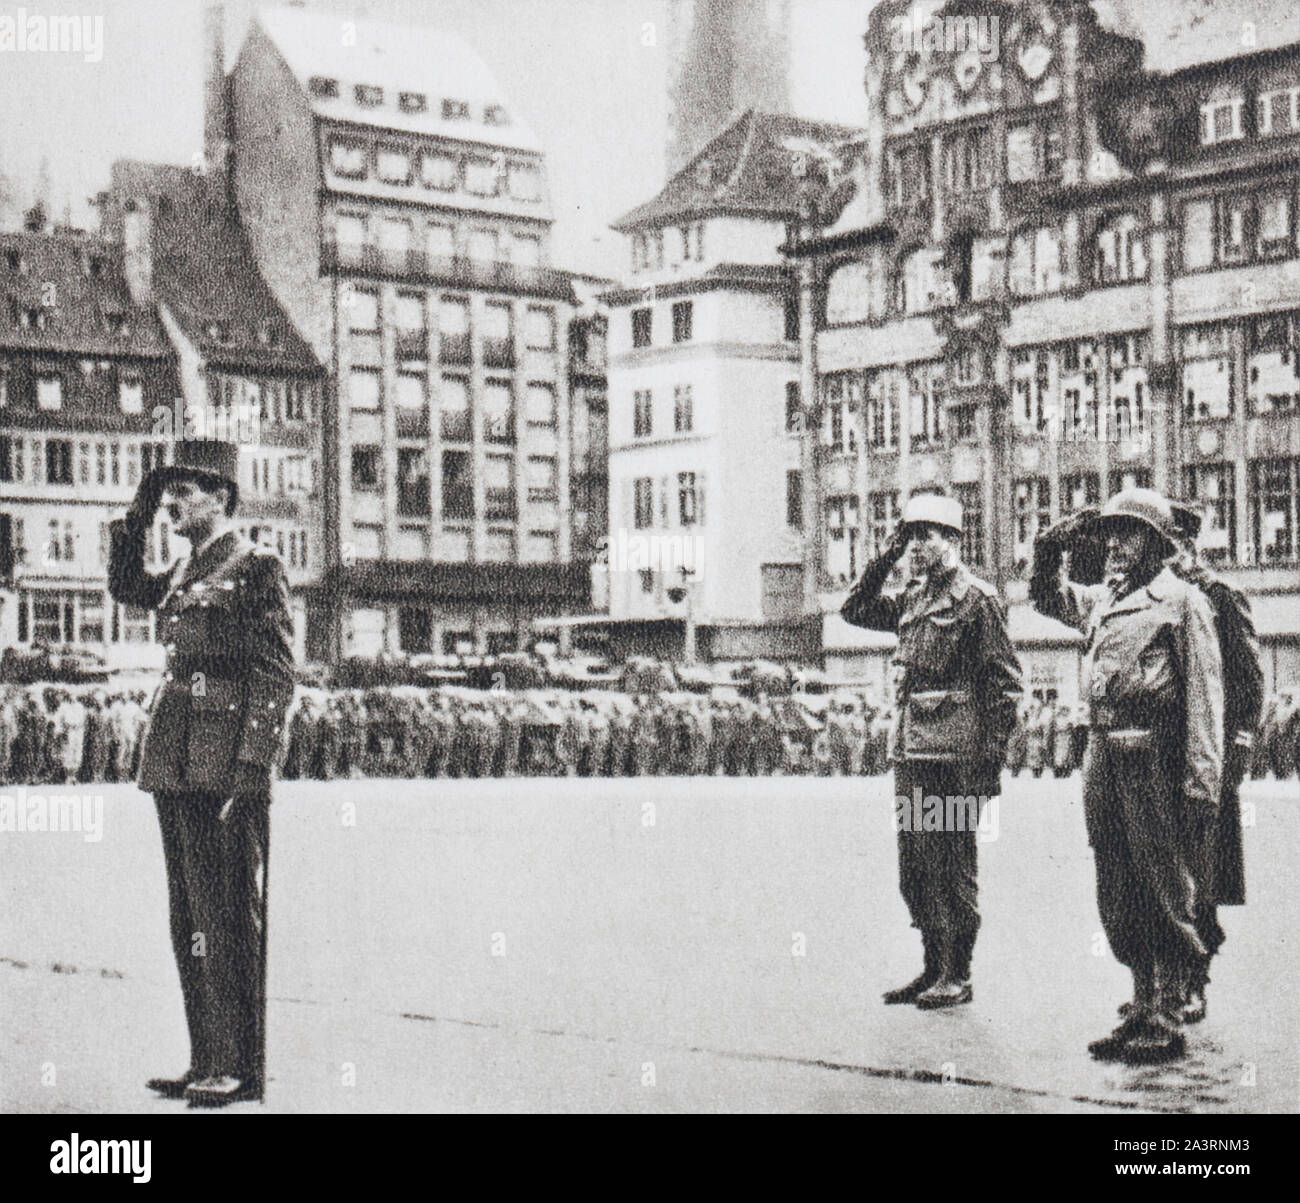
205	273
418	59
752	167
67	293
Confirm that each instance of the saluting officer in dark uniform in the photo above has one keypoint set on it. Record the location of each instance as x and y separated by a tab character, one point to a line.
1243	699
214	734
957	707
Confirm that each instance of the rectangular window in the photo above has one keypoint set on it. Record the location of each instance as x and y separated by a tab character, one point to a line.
412	482
1273	239
1278	111
1273	510
642	413
1212	487
348	158
1273	364
439	171
58	462
885	516
453	330
455	110
687	511
971	497
454	408
526	251
412	393
794	498
542	479
412	102
683	315
1031	513
524	182
791	319
365	468
498	412
49	391
793	408
439	241
540	403
369	95
410	312
540	328
364	389
1221	121
362	308
483	246
1198	234
641	327
394	166
130	394
457	485
481	177
1234	219
683	409
643	493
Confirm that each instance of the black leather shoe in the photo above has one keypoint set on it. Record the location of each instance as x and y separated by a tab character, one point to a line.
1153	1044
222	1091
908	993
945	994
172	1088
1108	1047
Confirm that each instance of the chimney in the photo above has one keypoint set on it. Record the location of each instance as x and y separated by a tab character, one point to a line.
137	251
216	96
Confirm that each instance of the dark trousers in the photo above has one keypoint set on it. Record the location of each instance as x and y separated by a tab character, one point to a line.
938	870
1151	859
216	887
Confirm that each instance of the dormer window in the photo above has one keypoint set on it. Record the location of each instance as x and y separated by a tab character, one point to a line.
324	87
1279	111
32	318
412	102
370	95
495	114
1221	121
455	110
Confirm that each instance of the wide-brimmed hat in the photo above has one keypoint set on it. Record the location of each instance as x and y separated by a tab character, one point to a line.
205	460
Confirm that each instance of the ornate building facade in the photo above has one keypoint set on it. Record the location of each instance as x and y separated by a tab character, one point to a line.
1062	273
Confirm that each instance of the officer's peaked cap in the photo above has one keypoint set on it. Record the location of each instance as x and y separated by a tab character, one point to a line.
205	460
934	509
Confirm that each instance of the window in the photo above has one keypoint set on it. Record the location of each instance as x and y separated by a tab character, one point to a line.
683	312
848	293
540	404
439	171
348	158
49	391
647	578
526	251
409	313
794	498
793	408
539	328
1273	237
1207	373
925	398
918	284
1234	218
1119	250
411	392
1278	111
395	240
883	389
369	95
687	499
130	394
843	536
683	409
58	462
454	408
326	89
1273	363
412	102
439	241
641	327
1034	152
365	468
542	479
971	497
792	319
1221	121
363	311
642	413
1129	478
1211	487
481	177
364	389
457	485
414	627
412	482
1273	495
885	515
1031	513
495	114
498	334
1238	228
455	110
964	421
1198	234
1128	387
643	493
484	246
1035	267
908	171
394	166
524	182
4	385
968	161
1079	490
498	412
840	434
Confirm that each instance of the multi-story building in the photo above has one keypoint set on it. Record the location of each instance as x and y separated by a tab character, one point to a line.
705	413
399	210
244	373
82	368
1063	274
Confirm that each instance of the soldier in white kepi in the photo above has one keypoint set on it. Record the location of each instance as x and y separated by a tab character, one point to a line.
957	702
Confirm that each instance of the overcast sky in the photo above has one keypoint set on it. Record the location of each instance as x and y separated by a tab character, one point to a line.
577	70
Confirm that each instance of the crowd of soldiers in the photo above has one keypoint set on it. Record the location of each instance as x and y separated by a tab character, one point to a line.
66	734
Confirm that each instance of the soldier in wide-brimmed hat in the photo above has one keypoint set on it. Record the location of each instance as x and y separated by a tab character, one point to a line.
214	735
